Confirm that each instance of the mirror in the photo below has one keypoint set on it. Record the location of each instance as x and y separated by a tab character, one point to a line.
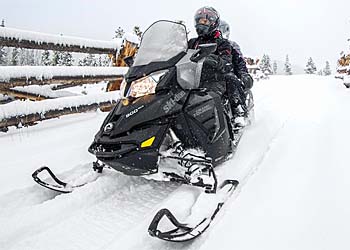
129	60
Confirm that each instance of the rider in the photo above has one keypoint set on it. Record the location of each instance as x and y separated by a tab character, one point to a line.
226	59
239	66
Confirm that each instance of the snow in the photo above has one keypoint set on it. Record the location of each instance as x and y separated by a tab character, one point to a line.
131	38
58	39
292	164
27	107
3	97
49	72
45	91
347	68
346	79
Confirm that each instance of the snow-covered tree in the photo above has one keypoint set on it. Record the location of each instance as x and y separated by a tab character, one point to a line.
265	65
274	67
119	33
37	57
15	57
327	70
26	57
288	67
57	59
3	52
3	55
67	59
137	31
105	61
89	60
310	67
45	58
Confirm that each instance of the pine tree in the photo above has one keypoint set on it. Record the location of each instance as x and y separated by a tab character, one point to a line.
3	52
287	67
265	65
310	67
137	31
3	55
15	57
119	33
106	61
327	70
57	59
89	60
274	67
45	58
26	57
67	59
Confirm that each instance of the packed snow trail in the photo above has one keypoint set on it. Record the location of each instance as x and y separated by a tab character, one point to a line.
296	149
299	197
100	211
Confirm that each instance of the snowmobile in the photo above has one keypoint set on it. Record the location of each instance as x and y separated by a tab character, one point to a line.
168	113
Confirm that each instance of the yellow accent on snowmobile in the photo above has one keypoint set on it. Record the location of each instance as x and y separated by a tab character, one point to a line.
148	142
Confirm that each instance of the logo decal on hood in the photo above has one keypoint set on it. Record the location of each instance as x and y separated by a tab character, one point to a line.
172	101
134	111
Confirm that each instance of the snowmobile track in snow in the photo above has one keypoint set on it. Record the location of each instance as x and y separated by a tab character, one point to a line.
109	207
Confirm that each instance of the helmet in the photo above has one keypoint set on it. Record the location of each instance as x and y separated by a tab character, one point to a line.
206	21
224	29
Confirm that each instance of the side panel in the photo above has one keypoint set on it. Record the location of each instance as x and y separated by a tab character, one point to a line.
206	125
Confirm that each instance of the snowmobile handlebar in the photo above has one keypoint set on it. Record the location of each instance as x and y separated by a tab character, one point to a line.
204	50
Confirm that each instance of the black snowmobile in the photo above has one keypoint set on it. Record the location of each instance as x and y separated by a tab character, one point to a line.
171	122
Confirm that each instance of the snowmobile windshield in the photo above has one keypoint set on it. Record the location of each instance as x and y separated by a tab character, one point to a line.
162	41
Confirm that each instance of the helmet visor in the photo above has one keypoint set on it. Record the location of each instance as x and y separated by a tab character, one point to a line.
206	17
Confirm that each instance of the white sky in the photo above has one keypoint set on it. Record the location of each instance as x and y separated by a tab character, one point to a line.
316	28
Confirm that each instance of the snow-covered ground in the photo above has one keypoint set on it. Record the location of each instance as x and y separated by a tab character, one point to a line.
292	163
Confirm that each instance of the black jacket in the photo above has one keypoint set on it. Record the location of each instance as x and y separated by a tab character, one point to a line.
238	62
230	58
223	49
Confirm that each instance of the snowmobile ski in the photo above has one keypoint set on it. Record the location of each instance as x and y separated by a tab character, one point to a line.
183	231
59	185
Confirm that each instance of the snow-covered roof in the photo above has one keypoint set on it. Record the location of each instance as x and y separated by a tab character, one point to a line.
49	72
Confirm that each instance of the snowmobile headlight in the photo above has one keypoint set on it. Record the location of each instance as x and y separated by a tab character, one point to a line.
143	86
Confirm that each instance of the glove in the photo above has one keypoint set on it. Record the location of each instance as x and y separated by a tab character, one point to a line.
213	61
247	80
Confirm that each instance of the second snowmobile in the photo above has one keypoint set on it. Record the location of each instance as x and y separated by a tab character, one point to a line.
168	113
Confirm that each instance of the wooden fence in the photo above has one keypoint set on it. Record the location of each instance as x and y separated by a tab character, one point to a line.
116	50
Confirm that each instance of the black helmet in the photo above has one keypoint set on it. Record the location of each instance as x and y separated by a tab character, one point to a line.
206	21
224	29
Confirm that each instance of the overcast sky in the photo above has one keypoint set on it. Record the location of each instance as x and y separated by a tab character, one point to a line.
300	28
